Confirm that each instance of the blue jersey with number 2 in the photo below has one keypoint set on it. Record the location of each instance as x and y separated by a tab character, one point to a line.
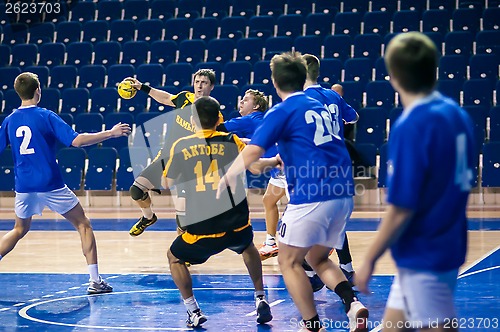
317	164
430	172
33	133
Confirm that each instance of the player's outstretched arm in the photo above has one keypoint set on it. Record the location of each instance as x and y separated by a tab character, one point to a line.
118	130
160	96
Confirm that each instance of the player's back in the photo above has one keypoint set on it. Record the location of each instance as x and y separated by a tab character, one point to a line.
197	163
33	133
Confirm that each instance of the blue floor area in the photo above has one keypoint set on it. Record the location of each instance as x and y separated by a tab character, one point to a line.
57	302
169	224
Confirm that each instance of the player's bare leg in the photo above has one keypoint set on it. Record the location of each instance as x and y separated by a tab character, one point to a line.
81	223
139	192
9	240
270	199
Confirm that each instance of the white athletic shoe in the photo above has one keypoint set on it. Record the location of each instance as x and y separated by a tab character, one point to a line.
358	317
267	251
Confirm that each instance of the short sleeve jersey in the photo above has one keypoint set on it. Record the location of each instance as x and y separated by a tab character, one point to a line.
33	133
317	164
431	156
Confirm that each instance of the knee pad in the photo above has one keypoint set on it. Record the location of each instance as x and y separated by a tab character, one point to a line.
137	193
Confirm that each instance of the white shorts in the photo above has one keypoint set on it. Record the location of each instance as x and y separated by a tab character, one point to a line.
321	223
426	298
59	200
279	180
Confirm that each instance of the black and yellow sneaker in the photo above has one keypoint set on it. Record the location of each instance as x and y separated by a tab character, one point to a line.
141	225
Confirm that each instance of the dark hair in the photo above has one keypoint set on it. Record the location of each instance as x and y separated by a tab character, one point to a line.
412	58
259	99
26	84
312	66
206	112
289	71
210	73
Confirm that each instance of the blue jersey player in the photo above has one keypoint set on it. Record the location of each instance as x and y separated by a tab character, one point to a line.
33	133
318	171
429	179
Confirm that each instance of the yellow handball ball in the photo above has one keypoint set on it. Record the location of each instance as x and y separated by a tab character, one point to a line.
125	89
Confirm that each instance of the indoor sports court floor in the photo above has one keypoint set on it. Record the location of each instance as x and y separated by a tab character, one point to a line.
43	281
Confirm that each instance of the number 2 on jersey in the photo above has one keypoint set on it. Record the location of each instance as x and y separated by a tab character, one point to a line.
25	133
211	176
328	120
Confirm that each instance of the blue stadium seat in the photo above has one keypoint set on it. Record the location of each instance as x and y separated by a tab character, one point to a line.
245	8
418	6
159	107
221	50
12	101
444	5
215	66
150	30
135	53
368	154
338	47
88	123
217	8
190	9
83	11
42	72
466	19
63	77
382	172
300	7
15	33
371	126
478	114
163	9
101	169
134	105
484	66
107	53
319	24
277	45
262	73
205	28
358	70
368	45
381	73
104	100
92	76
79	54
438	39
272	8
51	98
68	32
136	10
378	22
250	49
478	92
347	24
459	43
308	44
122	31
266	89
490	18
233	27
51	54
491	159
473	4
177	29
68	118
453	67
163	52
227	95
6	158
237	73
495	124
109	10
389	7
42	33
24	55
262	26
75	100
326	6
7	77
179	74
380	94
435	20
4	55
152	129
357	6
125	172
71	162
353	93
112	119
2	116
450	88
406	20
95	31
394	115
487	42
290	25
192	51
116	74
151	74
7	178
330	71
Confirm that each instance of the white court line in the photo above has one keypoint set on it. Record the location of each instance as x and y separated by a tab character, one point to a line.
48	295
61	292
480	259
112	277
272	304
4	309
73	288
478	271
33	300
18	304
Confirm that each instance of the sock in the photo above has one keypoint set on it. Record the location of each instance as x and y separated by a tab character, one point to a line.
344	291
191	304
94	272
260	293
147	212
270	240
313	324
347	267
344	254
